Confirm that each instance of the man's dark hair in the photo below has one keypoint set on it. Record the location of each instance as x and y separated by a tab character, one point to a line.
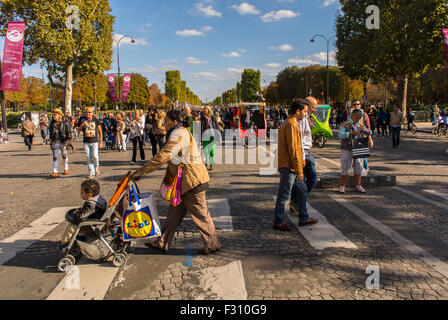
180	117
299	104
91	186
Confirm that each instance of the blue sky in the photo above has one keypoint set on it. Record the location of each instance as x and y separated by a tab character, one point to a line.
212	41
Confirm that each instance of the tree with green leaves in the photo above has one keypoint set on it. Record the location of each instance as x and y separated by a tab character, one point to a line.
408	41
250	85
72	39
172	85
139	93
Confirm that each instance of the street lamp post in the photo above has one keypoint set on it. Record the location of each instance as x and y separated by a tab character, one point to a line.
328	61
118	61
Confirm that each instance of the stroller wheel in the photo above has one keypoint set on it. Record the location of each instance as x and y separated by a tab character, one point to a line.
119	260
65	264
71	258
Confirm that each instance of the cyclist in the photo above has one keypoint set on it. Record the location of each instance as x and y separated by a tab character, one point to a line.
410	116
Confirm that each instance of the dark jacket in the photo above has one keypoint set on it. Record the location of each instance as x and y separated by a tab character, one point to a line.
93	209
63	128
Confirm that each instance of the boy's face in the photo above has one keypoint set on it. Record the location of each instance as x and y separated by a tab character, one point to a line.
85	196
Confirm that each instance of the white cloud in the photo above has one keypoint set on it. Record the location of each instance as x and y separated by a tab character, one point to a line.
317	58
232	54
246	8
194	32
207	75
297	60
194	60
235	71
274	16
273	65
147	69
207	9
207	29
168	61
283	47
127	40
148	25
326	3
189	33
243	50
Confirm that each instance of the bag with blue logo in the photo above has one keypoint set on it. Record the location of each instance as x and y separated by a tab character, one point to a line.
141	219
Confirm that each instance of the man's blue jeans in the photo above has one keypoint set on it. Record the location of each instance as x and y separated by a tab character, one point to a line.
310	177
93	159
288	180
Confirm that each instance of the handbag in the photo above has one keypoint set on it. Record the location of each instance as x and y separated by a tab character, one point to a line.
360	148
141	219
171	187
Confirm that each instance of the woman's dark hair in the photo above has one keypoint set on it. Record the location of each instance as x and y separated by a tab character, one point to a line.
299	104
180	117
91	186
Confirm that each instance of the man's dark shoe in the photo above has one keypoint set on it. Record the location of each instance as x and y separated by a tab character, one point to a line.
282	227
155	247
309	222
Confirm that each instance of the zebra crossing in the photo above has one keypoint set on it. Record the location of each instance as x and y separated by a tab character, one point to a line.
95	279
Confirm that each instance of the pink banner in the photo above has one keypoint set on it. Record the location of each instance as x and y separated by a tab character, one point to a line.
126	87
12	57
112	91
445	41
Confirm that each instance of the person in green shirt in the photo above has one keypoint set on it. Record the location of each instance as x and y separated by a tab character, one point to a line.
192	119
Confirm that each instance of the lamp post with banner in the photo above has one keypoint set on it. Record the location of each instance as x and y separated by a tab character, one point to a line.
118	62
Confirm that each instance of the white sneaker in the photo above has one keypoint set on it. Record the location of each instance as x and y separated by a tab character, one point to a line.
342	189
360	189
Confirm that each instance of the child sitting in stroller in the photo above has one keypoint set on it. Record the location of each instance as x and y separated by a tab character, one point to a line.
94	207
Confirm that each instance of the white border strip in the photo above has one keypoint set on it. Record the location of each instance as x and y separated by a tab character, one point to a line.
422	198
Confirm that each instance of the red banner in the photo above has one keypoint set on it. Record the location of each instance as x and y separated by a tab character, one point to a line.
12	57
445	41
126	87
112	91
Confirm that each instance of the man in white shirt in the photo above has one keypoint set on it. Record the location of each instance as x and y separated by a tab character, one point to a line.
309	170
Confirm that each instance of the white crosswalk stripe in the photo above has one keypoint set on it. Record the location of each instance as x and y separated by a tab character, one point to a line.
422	198
422	254
438	194
323	234
21	240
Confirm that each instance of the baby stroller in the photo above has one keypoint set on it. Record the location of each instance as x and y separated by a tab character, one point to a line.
98	240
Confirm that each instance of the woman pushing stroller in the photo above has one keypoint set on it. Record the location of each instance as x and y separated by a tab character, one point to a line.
181	149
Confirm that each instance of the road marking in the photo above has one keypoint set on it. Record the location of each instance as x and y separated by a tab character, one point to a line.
220	213
438	194
21	240
223	283
337	164
422	198
94	282
423	255
323	234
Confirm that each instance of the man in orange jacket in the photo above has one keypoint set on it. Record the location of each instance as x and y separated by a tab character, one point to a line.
290	166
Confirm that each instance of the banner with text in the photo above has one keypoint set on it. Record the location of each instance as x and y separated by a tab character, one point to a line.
12	57
112	91
126	87
445	41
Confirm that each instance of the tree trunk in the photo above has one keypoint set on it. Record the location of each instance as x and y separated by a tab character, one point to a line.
68	88
403	91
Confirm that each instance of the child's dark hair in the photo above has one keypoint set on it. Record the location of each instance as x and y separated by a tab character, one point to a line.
91	186
179	116
299	104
